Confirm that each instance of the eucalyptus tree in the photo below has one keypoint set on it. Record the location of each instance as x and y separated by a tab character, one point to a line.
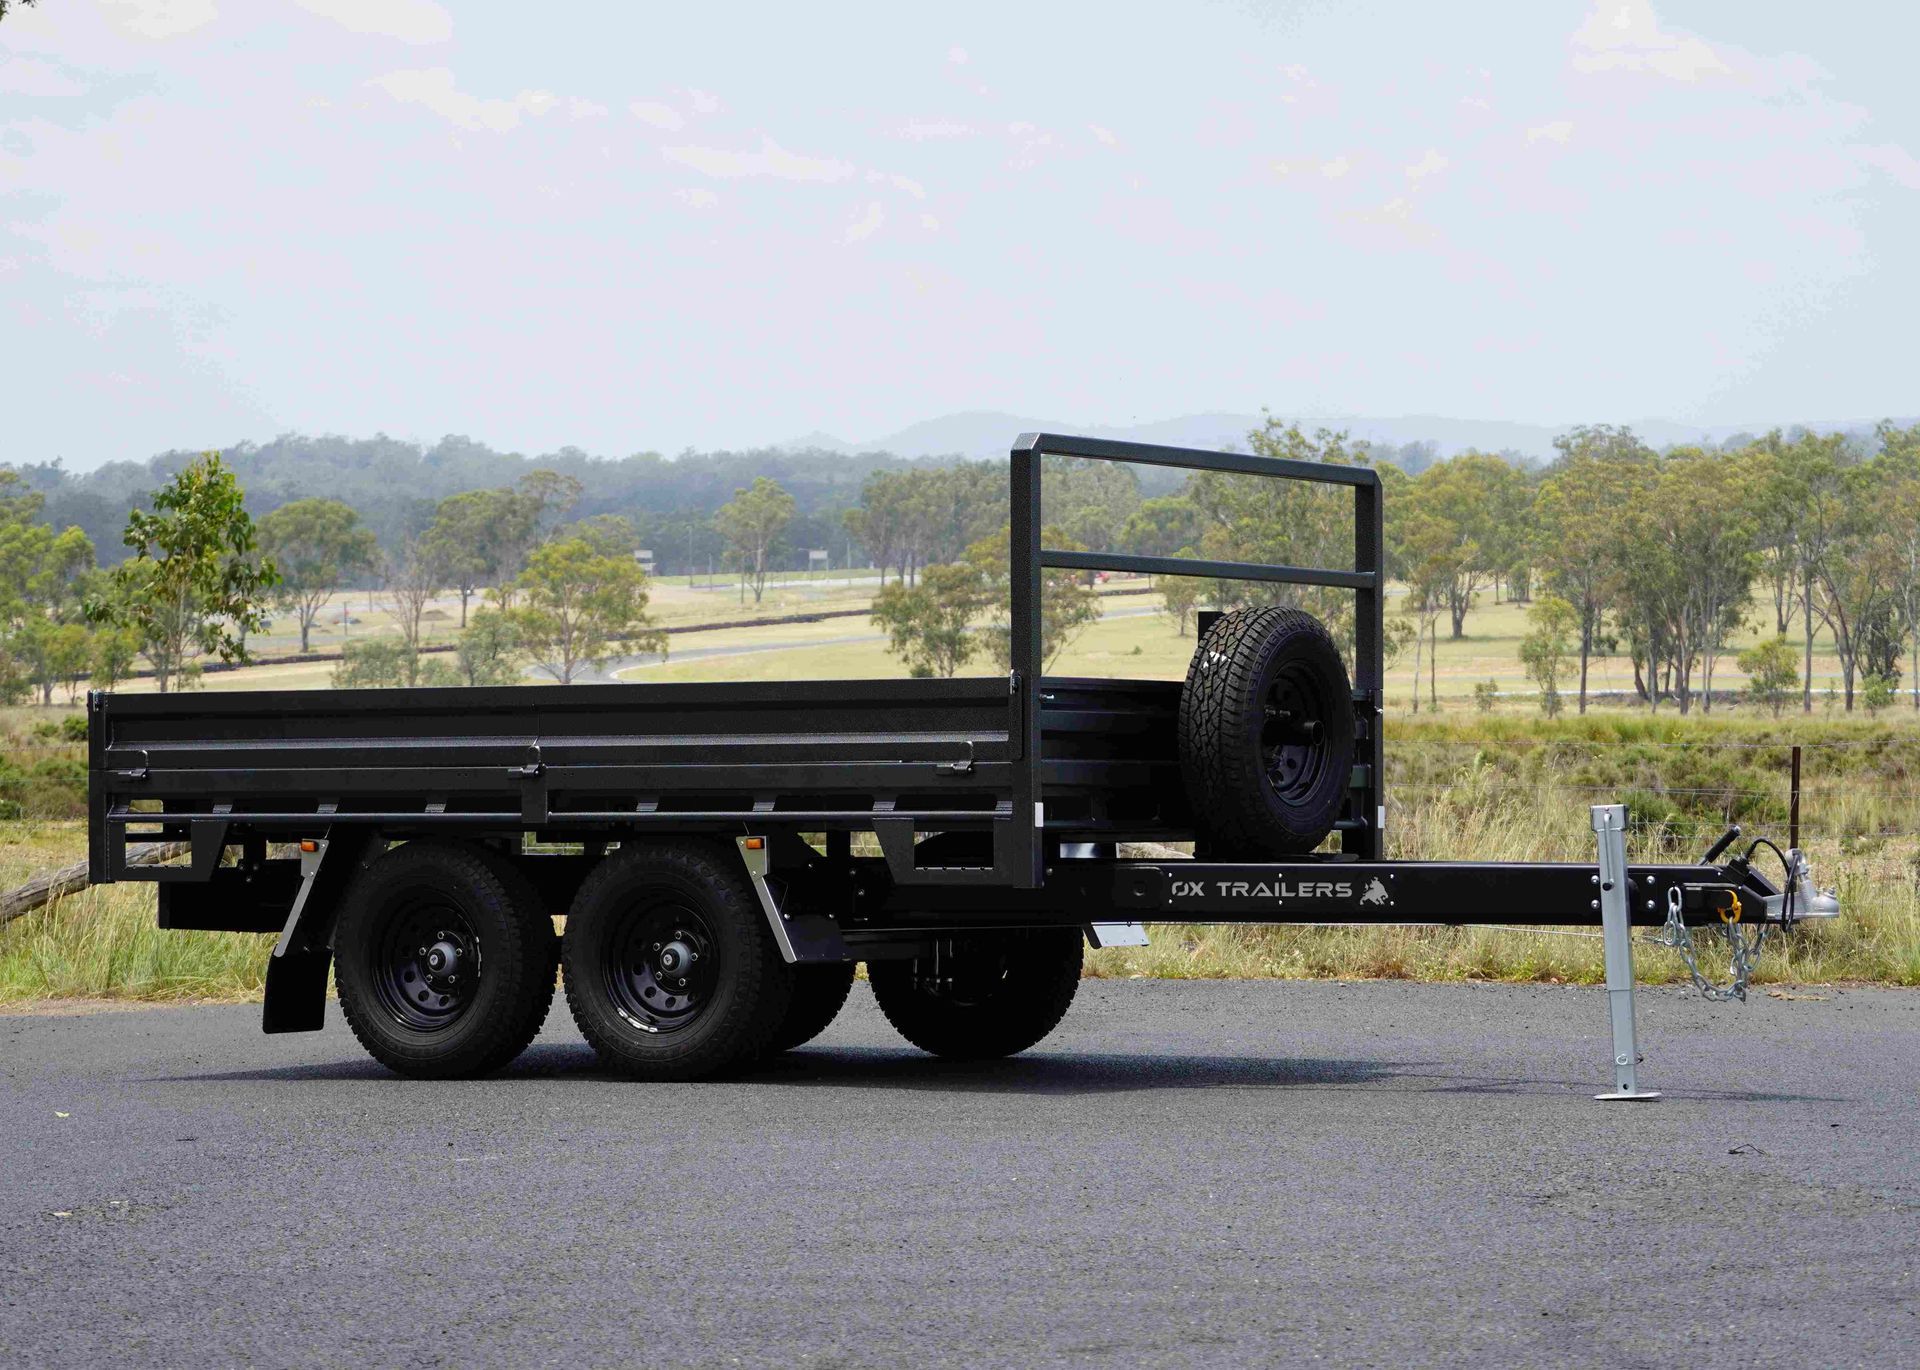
195	584
1477	499
579	607
317	546
1861	582
751	523
1686	572
1258	519
1577	520
473	539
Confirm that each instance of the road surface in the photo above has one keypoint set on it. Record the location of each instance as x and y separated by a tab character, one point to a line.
1186	1174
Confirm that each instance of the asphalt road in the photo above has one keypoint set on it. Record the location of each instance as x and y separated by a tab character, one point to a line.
1375	1174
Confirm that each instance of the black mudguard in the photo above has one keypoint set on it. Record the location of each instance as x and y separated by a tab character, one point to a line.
296	998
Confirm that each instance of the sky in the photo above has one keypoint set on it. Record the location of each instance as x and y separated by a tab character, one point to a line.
633	227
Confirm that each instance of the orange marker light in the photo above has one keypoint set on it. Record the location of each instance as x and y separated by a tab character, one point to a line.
755	843
308	844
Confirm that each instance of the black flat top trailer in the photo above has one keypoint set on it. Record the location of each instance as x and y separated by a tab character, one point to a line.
699	838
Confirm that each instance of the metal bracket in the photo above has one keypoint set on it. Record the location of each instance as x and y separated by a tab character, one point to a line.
533	792
1610	832
964	766
806	937
296	991
534	767
1116	935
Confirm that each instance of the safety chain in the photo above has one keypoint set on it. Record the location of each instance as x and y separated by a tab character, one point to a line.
1745	955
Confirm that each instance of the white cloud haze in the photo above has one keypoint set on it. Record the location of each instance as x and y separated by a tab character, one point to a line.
222	219
436	90
411	21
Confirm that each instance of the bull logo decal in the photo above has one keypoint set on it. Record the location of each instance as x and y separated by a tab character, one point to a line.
1376	893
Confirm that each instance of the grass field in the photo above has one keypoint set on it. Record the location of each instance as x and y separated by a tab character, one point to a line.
1463	786
1507	785
1127	642
822	651
673	603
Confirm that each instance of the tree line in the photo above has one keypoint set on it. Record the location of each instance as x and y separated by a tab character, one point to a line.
200	576
1664	557
397	487
1660	557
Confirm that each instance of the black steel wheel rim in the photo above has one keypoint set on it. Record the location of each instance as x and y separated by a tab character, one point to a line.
425	964
1293	733
661	965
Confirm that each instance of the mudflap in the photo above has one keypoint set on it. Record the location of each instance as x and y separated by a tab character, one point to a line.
297	991
296	998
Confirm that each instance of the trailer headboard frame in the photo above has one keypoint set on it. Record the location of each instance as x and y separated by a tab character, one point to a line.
1362	833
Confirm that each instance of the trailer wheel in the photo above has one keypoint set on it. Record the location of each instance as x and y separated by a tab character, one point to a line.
983	996
546	942
1266	733
671	971
444	961
819	993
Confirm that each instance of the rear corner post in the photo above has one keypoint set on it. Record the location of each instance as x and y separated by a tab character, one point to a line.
1610	830
1369	841
1026	587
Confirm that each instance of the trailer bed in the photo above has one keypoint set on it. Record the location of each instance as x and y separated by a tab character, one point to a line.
586	762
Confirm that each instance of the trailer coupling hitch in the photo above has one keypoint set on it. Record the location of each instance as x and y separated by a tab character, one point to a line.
1802	899
1798	897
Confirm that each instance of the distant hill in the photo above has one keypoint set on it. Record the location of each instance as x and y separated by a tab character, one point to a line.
985	433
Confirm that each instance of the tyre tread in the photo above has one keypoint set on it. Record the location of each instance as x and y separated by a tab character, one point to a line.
1224	780
983	1032
764	986
493	1040
820	991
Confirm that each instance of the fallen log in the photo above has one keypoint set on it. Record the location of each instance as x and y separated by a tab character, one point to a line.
44	889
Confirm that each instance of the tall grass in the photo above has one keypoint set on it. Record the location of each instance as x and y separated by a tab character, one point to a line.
1494	788
1502	788
1876	940
103	944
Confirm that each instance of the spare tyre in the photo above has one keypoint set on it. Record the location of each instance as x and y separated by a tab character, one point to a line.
1266	734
